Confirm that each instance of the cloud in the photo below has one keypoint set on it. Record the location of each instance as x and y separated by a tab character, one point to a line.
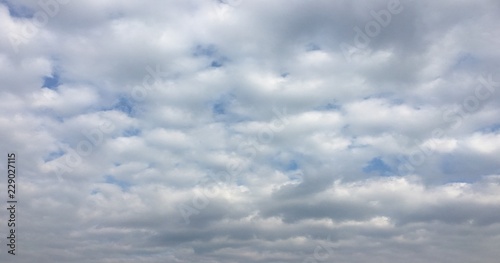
244	131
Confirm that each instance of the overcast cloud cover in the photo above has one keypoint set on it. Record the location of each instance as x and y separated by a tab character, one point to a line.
252	131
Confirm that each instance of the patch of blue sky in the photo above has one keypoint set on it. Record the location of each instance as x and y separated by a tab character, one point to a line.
131	132
228	118
286	161
205	50
51	82
124	105
109	179
292	166
210	51
377	165
216	64
465	61
221	105
53	155
219	108
18	10
495	128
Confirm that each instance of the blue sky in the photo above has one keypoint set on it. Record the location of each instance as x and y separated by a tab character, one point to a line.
253	131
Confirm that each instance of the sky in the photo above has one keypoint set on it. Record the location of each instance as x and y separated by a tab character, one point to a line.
251	131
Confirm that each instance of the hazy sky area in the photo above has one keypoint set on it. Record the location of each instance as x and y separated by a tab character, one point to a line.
251	131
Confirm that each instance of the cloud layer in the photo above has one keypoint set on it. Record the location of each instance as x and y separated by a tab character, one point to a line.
253	131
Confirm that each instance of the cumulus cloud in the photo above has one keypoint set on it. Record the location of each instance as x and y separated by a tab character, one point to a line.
252	131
